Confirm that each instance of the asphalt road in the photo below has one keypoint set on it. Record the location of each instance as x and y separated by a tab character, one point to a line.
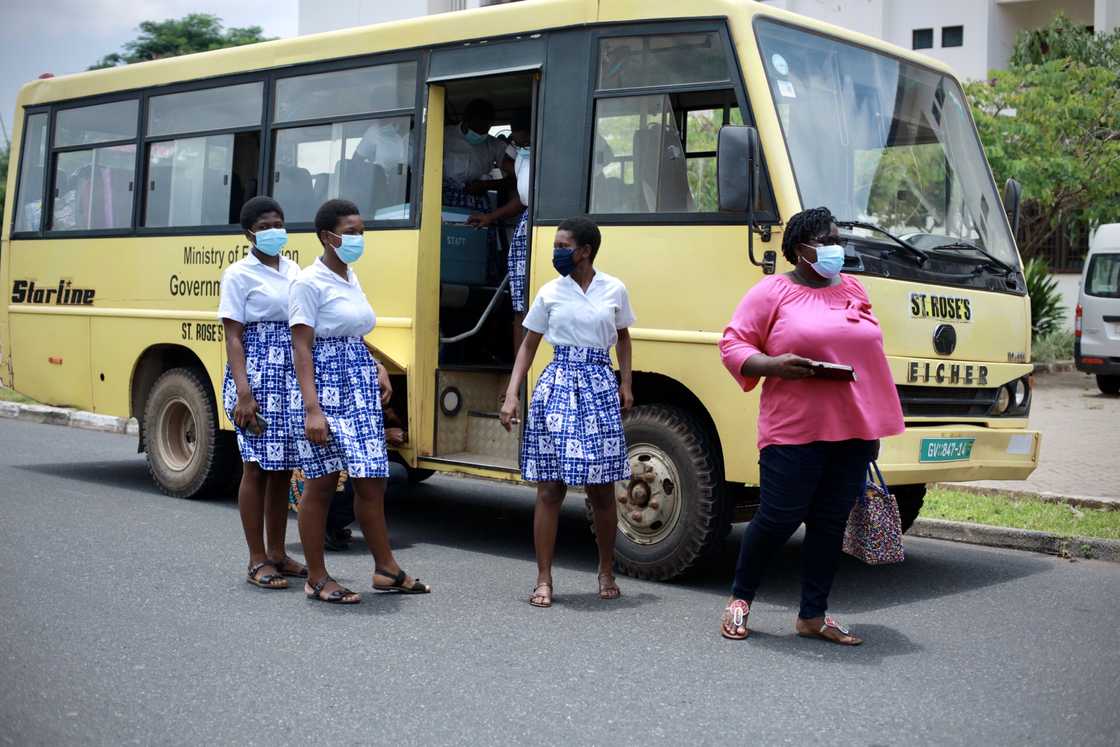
124	617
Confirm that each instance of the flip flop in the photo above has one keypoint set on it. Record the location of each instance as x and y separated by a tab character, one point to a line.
398	585
606	589
734	617
266	581
546	598
832	623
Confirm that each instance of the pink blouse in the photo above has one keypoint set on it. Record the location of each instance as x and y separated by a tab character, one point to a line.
833	325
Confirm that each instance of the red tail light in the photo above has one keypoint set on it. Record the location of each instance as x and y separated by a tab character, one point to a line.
1077	314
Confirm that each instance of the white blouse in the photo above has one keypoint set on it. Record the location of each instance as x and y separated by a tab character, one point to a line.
565	315
333	307
251	291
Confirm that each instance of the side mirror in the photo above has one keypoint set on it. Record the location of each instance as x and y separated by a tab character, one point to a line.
1012	194
738	175
737	168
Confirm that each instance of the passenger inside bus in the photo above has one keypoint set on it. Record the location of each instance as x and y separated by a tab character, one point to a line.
472	158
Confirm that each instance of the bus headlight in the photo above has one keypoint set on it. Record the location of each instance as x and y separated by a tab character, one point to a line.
1020	391
1003	401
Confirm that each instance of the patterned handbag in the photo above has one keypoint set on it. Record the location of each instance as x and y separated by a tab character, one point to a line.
874	532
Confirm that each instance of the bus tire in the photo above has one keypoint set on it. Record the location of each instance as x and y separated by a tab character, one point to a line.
188	455
671	513
1108	384
416	475
910	499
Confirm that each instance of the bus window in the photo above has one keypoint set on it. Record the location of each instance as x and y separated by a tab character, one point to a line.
664	60
32	170
93	186
657	153
364	155
202	180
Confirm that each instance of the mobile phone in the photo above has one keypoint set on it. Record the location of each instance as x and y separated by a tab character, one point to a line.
834	371
259	424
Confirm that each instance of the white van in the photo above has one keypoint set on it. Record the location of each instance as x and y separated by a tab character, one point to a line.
1097	323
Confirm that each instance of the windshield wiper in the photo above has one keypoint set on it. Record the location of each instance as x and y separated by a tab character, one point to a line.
920	255
966	246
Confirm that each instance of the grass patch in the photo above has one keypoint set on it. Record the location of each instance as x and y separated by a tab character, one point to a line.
11	395
1053	346
1022	512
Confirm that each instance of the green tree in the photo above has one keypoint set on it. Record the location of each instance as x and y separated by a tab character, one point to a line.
1054	126
197	32
1065	40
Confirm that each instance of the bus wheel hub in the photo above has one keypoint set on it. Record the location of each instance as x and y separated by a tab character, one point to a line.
649	503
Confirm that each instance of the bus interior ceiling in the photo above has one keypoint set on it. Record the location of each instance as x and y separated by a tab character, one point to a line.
474	370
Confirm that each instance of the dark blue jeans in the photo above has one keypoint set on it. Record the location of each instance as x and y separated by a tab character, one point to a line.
817	484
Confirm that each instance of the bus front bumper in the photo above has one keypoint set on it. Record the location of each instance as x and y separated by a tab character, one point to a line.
958	454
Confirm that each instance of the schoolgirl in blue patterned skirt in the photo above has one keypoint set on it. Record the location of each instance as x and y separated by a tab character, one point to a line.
573	433
253	307
336	405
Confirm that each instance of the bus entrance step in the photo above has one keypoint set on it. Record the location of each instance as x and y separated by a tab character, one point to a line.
487	437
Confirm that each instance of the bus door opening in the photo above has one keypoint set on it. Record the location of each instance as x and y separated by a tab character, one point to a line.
487	119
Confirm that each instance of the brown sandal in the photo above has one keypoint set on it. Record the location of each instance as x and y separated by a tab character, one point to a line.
842	636
610	589
267	580
341	595
399	585
735	617
290	567
545	600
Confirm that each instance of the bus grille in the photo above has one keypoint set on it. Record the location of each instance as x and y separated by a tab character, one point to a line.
946	402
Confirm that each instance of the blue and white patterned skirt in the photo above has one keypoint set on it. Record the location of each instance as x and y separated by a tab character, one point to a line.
518	260
350	397
268	365
574	430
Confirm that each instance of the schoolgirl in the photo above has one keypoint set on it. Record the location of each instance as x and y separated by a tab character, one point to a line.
573	434
336	404
253	307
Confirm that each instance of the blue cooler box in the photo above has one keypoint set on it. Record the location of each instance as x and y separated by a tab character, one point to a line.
464	249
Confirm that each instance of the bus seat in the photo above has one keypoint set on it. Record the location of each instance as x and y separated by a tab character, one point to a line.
661	171
295	193
362	182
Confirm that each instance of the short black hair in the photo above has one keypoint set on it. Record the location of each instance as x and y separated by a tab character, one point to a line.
808	225
479	107
584	231
521	120
253	209
331	212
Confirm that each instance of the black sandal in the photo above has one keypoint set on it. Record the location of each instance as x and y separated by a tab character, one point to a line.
398	583
266	581
341	595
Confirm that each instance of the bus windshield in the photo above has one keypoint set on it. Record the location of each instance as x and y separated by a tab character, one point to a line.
884	141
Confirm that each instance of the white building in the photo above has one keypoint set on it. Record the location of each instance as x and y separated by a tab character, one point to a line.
972	36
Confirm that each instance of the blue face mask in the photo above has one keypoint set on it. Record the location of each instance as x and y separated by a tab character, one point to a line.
830	261
563	260
474	138
270	241
351	248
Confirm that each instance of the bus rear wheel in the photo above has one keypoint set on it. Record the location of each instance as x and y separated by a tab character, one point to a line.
188	455
670	513
1108	384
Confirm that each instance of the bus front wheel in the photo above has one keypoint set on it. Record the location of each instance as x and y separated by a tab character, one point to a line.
670	513
188	455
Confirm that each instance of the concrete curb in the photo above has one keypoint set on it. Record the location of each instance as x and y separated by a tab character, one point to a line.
1088	548
90	421
1081	501
1055	367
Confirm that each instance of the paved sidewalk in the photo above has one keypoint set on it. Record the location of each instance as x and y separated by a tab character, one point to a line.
1080	440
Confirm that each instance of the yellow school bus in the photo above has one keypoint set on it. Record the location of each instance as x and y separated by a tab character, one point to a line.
126	185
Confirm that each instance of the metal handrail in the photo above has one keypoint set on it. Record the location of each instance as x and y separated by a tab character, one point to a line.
482	319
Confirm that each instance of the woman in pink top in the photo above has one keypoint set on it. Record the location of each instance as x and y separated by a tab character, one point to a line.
816	435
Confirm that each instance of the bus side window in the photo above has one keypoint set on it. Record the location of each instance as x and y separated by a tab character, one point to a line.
362	154
202	180
32	171
656	152
93	186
